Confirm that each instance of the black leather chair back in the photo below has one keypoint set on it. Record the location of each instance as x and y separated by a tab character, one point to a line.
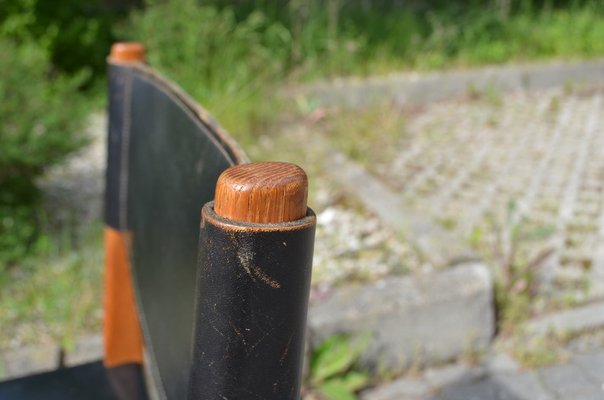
165	155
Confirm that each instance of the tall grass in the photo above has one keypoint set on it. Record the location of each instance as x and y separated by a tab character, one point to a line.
230	66
232	57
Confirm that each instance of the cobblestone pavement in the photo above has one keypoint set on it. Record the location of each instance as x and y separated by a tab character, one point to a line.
530	160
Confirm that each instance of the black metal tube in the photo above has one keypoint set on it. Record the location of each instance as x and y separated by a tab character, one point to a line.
253	287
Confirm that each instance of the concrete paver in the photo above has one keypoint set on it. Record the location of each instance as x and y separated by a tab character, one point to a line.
580	379
533	160
592	365
569	382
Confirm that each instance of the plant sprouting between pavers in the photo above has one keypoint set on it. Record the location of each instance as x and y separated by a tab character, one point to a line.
516	280
333	372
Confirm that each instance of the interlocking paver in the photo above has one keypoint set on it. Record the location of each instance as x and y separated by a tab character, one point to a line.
465	163
568	381
524	386
592	366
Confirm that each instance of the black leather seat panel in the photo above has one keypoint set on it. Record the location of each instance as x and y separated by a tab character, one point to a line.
88	381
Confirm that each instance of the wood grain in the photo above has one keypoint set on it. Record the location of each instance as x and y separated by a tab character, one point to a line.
127	52
264	192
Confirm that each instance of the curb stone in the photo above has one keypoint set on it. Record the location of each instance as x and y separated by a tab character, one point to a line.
580	379
571	321
408	316
405	388
435	245
421	88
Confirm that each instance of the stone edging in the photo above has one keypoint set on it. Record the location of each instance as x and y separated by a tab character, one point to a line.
420	88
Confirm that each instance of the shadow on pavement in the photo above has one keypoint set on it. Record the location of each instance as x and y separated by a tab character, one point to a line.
481	389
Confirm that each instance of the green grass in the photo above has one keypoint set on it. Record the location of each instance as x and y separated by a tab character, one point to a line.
367	136
374	40
233	59
53	296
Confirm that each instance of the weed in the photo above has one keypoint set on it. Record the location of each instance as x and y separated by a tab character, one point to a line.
471	354
57	302
538	351
332	367
554	106
516	281
448	222
366	136
493	96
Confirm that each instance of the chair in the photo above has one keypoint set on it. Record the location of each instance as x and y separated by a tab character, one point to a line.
190	313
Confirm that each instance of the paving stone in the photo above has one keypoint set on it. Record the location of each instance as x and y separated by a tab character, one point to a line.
569	382
439	377
414	88
533	160
569	321
404	388
436	245
426	318
588	342
525	385
478	390
458	384
592	365
500	362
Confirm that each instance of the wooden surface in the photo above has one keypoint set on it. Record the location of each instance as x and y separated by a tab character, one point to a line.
264	192
122	336
127	52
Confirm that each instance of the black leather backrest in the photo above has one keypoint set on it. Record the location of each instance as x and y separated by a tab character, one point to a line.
171	155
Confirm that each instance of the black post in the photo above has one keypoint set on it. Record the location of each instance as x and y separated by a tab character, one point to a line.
253	286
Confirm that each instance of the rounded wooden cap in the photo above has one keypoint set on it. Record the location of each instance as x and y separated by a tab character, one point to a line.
127	52
264	192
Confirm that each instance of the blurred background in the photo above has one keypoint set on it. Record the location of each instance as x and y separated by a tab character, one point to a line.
438	135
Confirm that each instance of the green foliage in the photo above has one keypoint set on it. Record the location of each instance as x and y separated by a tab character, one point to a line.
40	113
75	34
332	364
230	56
352	37
229	66
479	37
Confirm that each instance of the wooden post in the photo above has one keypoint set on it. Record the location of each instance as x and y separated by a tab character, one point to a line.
255	261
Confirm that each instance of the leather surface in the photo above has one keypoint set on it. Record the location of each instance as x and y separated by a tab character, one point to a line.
254	282
88	381
127	382
120	94
171	155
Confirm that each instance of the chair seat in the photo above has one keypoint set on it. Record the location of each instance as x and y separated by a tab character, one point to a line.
88	381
